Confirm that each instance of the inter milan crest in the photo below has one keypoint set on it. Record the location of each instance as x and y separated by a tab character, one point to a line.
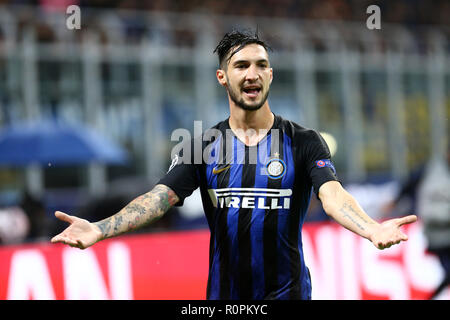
276	168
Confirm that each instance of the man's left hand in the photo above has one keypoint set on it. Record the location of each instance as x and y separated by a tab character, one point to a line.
388	233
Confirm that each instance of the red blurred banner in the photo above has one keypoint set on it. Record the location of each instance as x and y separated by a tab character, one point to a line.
174	265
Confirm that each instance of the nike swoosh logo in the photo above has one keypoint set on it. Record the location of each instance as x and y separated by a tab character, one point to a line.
217	171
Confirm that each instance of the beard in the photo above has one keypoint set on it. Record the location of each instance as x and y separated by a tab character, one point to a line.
241	103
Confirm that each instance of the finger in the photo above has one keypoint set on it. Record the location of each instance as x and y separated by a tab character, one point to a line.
63	239
386	245
406	220
64	217
399	238
403	237
55	239
58	238
80	244
70	243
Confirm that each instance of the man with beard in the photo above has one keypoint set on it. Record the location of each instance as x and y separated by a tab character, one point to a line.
255	183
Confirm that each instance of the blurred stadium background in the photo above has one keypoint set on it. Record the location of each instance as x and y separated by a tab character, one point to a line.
137	70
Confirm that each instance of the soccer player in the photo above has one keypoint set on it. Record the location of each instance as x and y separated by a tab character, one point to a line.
256	172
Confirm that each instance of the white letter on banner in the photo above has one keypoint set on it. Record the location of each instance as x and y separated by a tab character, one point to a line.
383	277
424	270
29	276
349	279
119	267
322	262
83	279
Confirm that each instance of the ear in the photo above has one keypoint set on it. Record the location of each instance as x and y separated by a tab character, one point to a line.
221	77
271	75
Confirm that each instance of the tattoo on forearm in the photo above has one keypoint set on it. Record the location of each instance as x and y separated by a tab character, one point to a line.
117	223
139	212
346	215
104	226
350	213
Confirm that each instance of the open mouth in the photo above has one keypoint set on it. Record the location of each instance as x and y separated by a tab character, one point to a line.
252	92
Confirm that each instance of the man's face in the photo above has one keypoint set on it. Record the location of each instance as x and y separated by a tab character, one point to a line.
247	77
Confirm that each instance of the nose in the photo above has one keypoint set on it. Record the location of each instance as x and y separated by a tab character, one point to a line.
252	73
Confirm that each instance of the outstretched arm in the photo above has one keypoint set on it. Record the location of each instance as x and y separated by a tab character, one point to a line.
138	213
343	207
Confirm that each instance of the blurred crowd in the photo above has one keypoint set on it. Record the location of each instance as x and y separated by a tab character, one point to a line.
410	13
400	11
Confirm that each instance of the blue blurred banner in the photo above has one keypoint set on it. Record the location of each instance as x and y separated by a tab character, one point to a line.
49	142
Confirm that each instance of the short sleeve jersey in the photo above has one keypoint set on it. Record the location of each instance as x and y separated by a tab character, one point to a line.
255	199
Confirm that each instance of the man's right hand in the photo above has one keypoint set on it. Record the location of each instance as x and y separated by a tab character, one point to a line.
80	234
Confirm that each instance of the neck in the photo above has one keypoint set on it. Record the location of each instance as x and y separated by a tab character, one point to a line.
260	119
251	126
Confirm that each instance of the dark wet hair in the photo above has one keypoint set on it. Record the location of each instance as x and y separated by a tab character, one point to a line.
238	40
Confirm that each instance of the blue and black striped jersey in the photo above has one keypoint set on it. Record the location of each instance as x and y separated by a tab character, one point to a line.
255	199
